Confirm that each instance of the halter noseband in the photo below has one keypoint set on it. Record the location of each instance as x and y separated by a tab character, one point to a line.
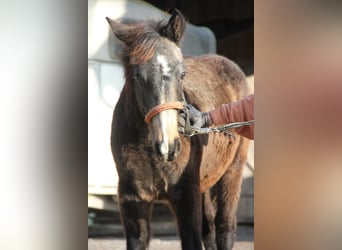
162	107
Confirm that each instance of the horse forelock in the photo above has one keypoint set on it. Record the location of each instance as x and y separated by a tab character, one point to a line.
143	41
143	48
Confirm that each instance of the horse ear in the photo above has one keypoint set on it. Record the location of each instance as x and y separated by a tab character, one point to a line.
122	31
175	28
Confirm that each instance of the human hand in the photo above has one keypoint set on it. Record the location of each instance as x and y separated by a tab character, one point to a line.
197	118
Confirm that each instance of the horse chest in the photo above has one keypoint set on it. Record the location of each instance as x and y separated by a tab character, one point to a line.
149	177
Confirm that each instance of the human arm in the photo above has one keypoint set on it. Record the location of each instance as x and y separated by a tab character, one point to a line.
239	111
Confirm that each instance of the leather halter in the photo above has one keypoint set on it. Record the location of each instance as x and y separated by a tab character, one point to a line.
162	107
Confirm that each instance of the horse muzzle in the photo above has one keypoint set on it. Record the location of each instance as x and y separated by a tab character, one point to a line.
163	123
167	151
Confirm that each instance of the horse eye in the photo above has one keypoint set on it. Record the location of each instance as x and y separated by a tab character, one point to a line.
166	77
137	78
183	75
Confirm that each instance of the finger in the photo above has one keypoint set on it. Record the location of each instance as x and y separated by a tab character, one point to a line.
181	119
189	106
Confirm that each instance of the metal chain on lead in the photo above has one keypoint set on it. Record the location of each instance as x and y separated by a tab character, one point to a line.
189	131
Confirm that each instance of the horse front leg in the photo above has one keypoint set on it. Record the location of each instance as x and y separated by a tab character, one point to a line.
228	195
208	231
186	200
135	216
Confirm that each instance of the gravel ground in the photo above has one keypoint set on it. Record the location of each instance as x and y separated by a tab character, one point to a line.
245	241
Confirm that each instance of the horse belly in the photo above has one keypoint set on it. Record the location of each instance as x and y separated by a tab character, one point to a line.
218	155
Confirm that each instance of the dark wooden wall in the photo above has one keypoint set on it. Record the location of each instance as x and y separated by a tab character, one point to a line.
232	22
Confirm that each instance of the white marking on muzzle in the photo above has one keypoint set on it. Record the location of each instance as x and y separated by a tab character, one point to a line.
164	147
164	126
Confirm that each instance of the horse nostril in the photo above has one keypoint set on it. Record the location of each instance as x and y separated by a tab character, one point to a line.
174	149
157	148
177	145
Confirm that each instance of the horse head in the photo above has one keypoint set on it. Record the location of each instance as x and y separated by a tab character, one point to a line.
154	66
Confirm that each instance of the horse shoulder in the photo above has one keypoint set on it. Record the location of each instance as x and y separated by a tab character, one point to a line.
213	80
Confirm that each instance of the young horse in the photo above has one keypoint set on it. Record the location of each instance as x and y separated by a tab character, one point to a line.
200	176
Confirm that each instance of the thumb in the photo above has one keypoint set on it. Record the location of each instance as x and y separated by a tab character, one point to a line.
181	119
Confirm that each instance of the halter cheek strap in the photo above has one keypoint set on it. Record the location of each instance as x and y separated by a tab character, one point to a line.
162	107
